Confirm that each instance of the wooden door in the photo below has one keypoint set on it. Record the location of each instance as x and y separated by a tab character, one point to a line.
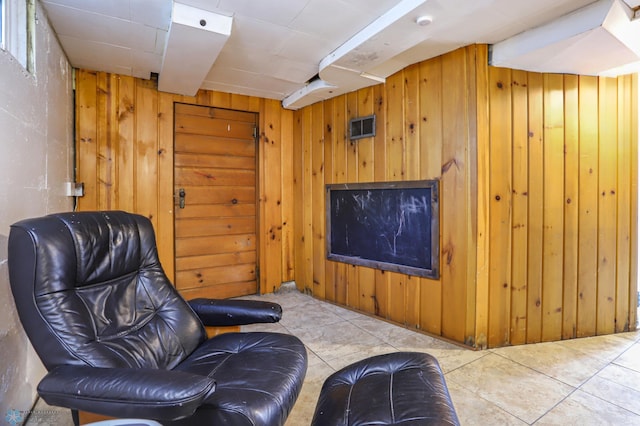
215	209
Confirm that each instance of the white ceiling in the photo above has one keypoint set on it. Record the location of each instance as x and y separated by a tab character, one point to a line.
276	47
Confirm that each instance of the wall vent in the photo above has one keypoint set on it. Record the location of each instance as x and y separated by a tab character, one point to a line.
362	127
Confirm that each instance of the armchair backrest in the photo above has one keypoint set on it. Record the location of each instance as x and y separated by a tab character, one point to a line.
90	290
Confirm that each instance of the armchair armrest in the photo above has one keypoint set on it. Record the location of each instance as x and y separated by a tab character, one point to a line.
126	392
217	312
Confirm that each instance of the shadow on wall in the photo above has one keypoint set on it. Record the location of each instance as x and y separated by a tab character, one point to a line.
16	394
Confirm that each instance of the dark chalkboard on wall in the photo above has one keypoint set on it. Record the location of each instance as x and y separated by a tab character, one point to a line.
392	226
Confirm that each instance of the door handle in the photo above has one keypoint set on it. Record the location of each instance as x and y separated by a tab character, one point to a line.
181	195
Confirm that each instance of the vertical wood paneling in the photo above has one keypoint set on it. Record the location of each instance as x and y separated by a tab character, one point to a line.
307	206
352	276
478	336
500	206
624	204
146	152
520	157
126	144
318	199
571	190
531	249
366	276
633	158
588	207
87	139
430	133
536	208
166	202
381	301
553	213
607	205
270	151
124	151
107	110
520	225
329	145
476	58
413	157
454	194
341	131
287	199
396	154
298	195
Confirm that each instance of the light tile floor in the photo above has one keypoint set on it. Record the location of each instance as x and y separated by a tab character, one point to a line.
589	381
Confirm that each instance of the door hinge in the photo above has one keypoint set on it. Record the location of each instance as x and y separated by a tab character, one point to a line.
258	274
255	132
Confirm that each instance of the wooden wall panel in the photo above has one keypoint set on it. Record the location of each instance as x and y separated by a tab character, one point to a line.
520	200
124	151
552	258
571	216
526	252
588	207
553	207
500	207
428	133
536	208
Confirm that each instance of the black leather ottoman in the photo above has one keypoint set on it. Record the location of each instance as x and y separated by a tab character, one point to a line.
402	388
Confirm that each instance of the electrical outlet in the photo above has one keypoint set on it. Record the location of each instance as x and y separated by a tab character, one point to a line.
73	189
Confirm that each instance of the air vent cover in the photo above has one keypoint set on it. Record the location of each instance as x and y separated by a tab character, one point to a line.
363	127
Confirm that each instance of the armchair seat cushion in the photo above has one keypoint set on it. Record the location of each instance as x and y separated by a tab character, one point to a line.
256	374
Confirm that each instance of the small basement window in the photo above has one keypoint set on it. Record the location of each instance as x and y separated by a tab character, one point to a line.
362	127
17	30
2	24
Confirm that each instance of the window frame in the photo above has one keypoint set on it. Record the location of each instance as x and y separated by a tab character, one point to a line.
18	31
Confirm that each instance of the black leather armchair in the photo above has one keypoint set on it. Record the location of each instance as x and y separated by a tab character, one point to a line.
117	339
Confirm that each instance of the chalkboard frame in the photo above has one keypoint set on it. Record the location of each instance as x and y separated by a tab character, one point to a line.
430	187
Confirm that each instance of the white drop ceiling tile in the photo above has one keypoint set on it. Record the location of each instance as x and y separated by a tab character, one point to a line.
238	57
528	15
92	26
292	70
154	13
115	8
91	55
330	19
243	78
305	47
258	92
161	41
279	12
272	65
144	63
248	33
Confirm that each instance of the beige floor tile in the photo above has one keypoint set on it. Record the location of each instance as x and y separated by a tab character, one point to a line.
630	358
475	410
304	408
309	315
357	355
617	385
583	409
560	362
516	389
606	348
621	375
452	359
335	341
